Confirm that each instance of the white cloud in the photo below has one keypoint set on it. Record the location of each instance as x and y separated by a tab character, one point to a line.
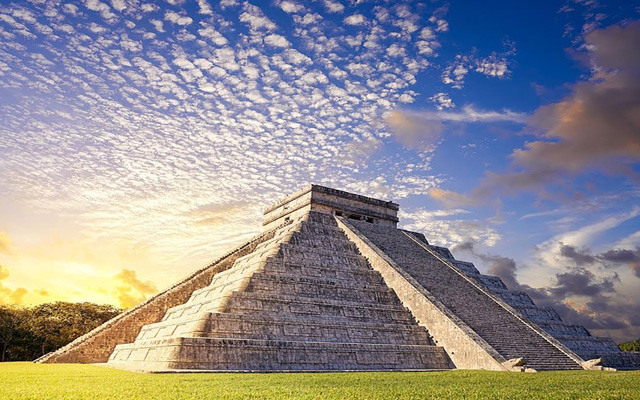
176	18
118	5
205	7
276	40
256	19
355	19
212	34
442	101
469	113
492	66
290	6
442	230
333	6
102	8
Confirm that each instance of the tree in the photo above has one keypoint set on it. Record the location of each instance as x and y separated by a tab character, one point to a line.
11	320
56	324
28	332
630	346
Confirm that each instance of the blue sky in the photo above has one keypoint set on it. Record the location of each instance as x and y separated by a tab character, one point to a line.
139	140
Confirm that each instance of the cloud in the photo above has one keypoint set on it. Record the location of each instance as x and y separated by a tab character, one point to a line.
624	256
446	228
452	199
581	282
256	19
290	6
5	243
496	65
333	6
423	129
131	290
415	130
176	18
276	40
103	9
610	258
442	101
220	214
355	19
580	257
10	296
576	293
595	128
205	7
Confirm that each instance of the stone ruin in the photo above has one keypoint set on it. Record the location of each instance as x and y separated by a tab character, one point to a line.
333	284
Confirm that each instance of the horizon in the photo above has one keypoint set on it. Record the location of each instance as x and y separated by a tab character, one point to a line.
141	141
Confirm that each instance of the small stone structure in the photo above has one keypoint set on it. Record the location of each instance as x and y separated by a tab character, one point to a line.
332	284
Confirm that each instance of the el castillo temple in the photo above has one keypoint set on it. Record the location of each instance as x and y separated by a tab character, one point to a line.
331	284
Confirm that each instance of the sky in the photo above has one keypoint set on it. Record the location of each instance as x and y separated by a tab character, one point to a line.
141	140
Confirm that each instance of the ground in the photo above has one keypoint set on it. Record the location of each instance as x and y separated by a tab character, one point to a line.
72	381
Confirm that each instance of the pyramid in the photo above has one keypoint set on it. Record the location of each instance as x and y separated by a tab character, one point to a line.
333	284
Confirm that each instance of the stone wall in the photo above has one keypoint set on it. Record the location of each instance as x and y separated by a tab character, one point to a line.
97	345
464	346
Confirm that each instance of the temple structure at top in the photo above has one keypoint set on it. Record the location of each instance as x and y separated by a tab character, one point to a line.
331	201
332	284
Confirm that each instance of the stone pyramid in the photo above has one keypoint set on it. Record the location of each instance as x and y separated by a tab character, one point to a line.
332	284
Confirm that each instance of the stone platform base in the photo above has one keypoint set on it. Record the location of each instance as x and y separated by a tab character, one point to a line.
220	354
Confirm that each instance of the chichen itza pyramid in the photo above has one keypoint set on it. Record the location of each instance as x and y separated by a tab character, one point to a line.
333	284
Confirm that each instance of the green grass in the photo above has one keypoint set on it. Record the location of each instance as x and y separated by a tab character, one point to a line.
70	381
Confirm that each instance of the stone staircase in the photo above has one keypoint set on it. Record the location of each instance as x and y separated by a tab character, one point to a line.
303	300
574	336
497	323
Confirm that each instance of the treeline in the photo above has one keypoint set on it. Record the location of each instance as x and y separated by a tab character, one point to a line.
630	346
27	333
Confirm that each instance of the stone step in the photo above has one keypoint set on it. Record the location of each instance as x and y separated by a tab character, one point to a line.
313	329
539	314
489	281
318	230
272	327
254	303
559	328
300	252
272	355
513	297
466	267
335	244
356	263
360	274
320	289
588	344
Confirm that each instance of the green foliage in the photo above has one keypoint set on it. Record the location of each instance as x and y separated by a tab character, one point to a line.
29	332
630	346
21	381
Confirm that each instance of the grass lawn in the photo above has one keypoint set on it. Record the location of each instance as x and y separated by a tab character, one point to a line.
72	381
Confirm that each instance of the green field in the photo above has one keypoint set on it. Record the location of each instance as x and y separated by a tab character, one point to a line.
32	381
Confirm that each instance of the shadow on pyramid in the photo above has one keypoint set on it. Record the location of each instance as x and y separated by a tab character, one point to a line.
332	284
